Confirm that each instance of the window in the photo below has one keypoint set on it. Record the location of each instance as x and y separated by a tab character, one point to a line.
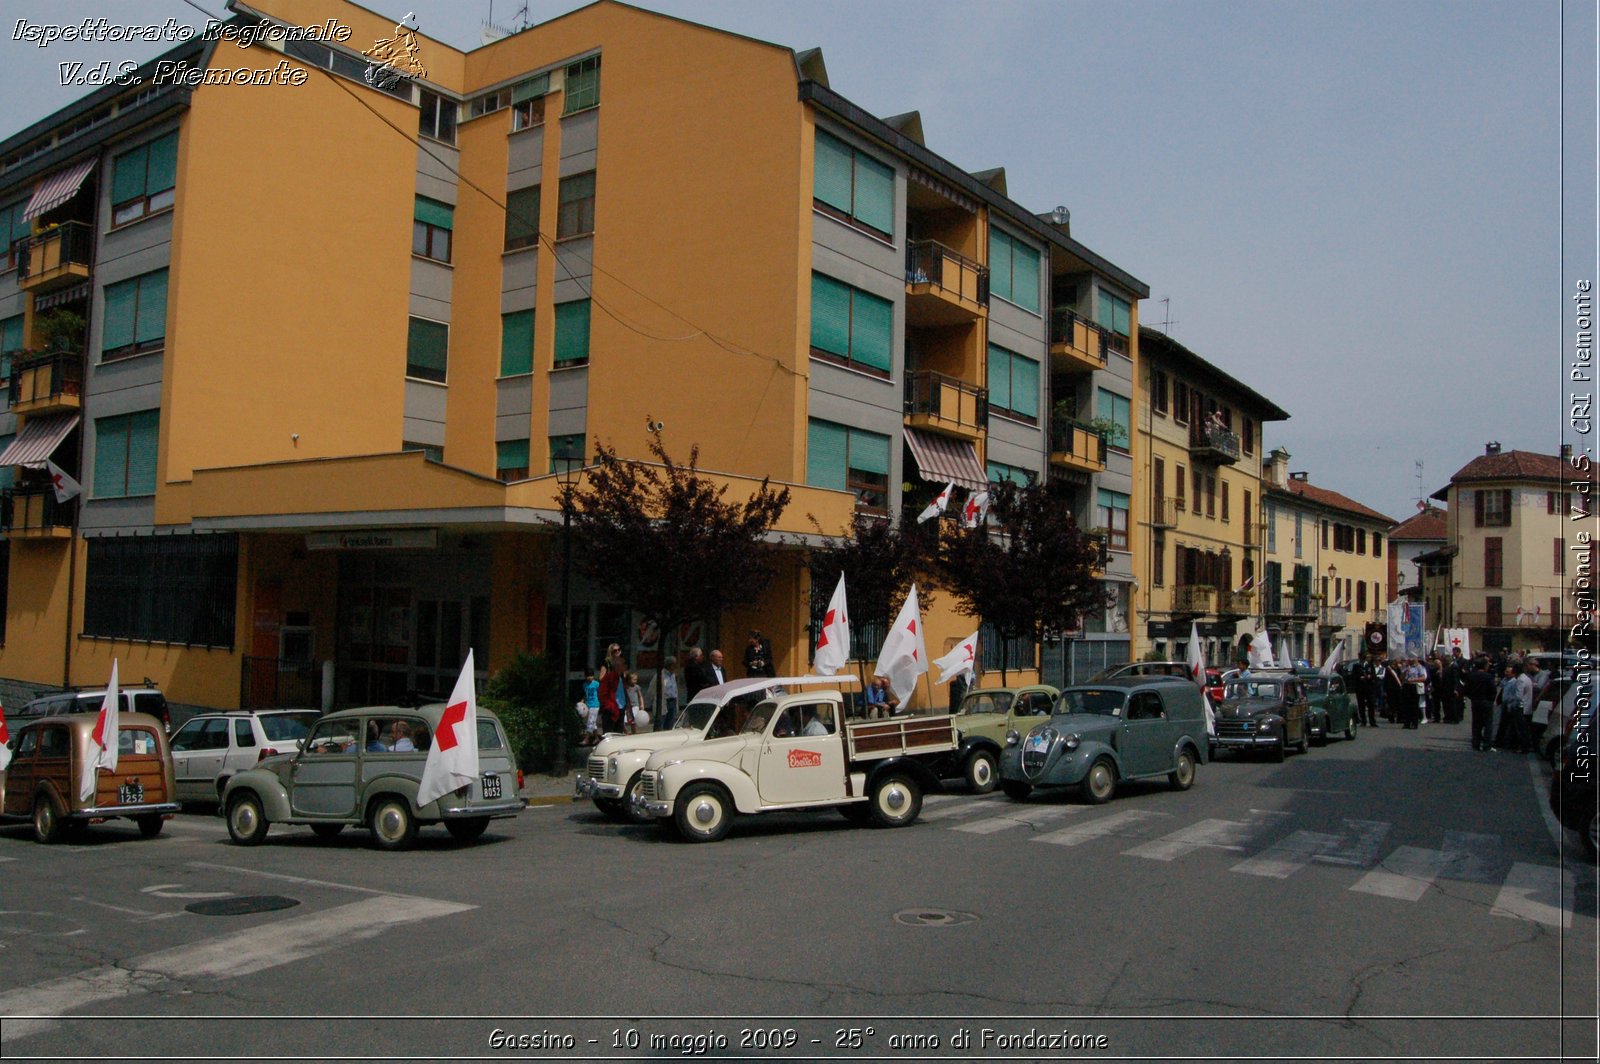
1211	495
1114	313
1491	507
427	350
135	316
516	343
490	102
10	344
848	459
1158	392
166	589
437	117
13	228
522	218
1225	500
583	85
1180	402
527	102
1377	545
8	474
1013	270
1158	484
1560	564
1493	561
1111	513
511	459
125	455
572	333
1269	517
242	734
1361	541
566	449
142	180
1325	527
1299	534
1013	384
1244	514
852	185
1179	483
430	452
1012	654
430	231
1198	482
1494	611
1158	559
1557	502
852	327
1115	408
1001	473
576	213
1247	435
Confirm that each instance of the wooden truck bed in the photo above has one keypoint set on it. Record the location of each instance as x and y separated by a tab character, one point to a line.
878	739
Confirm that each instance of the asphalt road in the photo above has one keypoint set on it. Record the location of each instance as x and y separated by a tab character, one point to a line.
1395	896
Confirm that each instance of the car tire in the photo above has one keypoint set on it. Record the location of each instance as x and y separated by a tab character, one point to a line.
1304	745
1016	789
611	807
327	831
896	801
48	823
1182	777
1322	733
1100	783
247	824
635	785
1280	750
467	829
1350	729
150	825
981	771
393	826
703	813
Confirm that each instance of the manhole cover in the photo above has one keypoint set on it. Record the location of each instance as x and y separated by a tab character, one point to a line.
258	903
934	917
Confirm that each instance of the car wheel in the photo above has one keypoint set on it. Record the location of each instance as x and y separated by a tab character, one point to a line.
1350	728
635	785
326	831
703	813
980	771
896	801
1101	783
150	825
393	826
247	825
1304	745
611	807
1281	749
1182	777
1322	733
1016	789
469	829
48	824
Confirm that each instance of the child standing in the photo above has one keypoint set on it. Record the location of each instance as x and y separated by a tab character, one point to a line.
591	709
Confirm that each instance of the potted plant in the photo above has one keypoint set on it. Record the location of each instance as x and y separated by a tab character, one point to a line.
61	330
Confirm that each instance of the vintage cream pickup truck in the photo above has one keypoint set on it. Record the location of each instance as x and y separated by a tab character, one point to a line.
793	753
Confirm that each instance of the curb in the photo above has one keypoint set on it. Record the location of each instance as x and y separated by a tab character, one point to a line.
550	799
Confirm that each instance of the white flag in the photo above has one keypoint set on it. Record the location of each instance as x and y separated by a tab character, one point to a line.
1260	654
905	655
5	737
963	658
833	644
1457	639
976	510
1197	673
65	486
1331	665
453	757
102	751
1285	659
936	507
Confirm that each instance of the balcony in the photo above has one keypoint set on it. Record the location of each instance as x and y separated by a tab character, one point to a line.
1335	616
1077	345
1213	444
33	513
46	382
1510	619
1194	598
1164	513
1077	446
1237	603
944	287
946	405
1103	559
56	258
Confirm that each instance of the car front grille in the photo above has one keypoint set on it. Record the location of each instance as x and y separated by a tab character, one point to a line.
1033	761
647	785
1234	727
597	768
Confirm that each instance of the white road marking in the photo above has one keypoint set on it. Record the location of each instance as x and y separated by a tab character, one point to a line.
1406	874
226	956
959	809
1283	859
297	879
1098	828
1362	851
1207	834
164	890
1537	892
4	859
1023	814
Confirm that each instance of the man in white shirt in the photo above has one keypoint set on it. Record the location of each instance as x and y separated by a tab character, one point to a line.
716	666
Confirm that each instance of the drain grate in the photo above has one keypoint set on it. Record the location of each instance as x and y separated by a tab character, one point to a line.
242	906
934	917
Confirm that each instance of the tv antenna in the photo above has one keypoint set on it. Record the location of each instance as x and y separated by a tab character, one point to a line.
1166	315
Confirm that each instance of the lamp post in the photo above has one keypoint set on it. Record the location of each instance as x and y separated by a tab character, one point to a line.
567	468
1327	606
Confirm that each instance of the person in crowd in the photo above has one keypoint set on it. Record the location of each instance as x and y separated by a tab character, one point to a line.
1455	680
611	697
1515	690
665	701
876	698
589	710
715	666
758	656
633	704
1415	698
1479	688
400	738
1434	689
696	674
375	743
1394	692
958	691
1361	687
816	720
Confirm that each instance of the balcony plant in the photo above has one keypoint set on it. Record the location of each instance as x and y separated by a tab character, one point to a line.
61	330
1114	433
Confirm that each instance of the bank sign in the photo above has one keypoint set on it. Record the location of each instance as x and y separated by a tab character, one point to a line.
398	539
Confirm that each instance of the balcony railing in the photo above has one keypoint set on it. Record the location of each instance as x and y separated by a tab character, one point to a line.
1164	512
1237	603
1078	445
936	401
1509	619
1335	616
46	380
1213	443
57	256
1078	340
1103	558
1194	598
1277	604
946	270
34	511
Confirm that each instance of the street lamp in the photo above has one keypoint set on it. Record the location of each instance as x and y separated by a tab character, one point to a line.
567	469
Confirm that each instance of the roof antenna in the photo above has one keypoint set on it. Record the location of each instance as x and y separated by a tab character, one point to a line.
1166	311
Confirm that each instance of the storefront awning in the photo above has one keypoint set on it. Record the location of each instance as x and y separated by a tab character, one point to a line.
941	460
59	187
38	440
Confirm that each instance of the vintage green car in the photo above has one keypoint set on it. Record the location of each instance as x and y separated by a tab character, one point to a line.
362	767
1129	728
989	720
1264	709
1331	710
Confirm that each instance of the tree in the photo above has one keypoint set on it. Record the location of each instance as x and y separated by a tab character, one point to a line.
666	540
1029	573
879	561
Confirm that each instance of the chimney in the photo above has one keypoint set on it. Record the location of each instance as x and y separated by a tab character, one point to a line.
1492	447
1278	467
1302	476
1566	450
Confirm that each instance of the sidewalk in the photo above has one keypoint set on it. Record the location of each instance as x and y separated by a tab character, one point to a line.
541	788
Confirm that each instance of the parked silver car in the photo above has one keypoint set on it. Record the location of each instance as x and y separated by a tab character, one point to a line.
213	747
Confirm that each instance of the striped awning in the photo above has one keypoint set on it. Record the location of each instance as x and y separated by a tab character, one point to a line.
60	297
38	440
941	460
59	187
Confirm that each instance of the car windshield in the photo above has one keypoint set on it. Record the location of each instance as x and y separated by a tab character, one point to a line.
1102	701
756	723
287	727
987	702
716	721
1251	689
1316	685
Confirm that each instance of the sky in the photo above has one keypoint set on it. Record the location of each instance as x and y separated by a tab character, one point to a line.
1356	208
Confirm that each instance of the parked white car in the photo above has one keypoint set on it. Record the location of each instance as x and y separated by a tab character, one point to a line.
212	748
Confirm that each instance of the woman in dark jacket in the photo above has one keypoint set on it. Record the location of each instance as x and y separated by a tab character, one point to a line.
1394	692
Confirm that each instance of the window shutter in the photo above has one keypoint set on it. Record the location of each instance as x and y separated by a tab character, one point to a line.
1024	385
162	172
872	331
999	263
143	434
1477	508
118	328
128	174
523	91
999	377
831	180
874	194
511	454
830	315
516	343
152	324
1025	277
869	452
110	457
427	350
11	335
522	217
572	331
826	444
435	213
1505	505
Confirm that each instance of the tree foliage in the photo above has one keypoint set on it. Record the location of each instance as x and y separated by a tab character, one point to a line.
1030	571
880	561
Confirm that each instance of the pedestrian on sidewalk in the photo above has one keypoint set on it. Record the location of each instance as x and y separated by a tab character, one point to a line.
664	702
1480	692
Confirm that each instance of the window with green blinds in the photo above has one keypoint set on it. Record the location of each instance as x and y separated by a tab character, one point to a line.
575	212
1000	473
431	231
1013	383
523	91
1114	313
522	218
511	458
142	179
1013	270
847	459
582	85
435	213
135	316
125	454
566	450
516	343
1118	409
854	184
851	326
8	474
572	333
427	350
10	343
13	227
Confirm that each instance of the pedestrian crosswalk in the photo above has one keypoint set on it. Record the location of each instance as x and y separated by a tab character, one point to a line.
1268	844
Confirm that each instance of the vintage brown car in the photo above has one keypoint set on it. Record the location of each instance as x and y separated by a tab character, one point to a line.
41	783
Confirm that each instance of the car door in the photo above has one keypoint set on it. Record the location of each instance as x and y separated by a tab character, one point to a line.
19	774
1145	746
797	767
1338	703
323	778
1295	711
1030	707
186	744
242	747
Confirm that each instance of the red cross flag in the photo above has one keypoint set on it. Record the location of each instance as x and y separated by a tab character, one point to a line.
905	655
1197	673
936	507
453	757
976	510
833	644
963	658
5	737
103	739
65	486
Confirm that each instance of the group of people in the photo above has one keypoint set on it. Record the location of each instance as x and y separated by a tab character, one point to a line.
613	700
1500	693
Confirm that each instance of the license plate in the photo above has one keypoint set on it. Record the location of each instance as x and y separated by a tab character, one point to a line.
491	785
131	793
1037	744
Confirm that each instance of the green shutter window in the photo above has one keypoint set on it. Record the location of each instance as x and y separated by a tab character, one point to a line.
869	452
8	474
827	445
582	85
832	180
830	315
1119	410
1024	386
121	303
1025	277
1114	313
162	172
1000	473
11	335
111	457
427	350
143	433
511	454
999	264
856	185
522	218
13	226
874	194
572	332
151	324
871	331
564	449
999	378
523	91
128	174
516	343
435	213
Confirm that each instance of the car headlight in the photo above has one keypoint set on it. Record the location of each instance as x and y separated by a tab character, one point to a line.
1012	738
1072	741
611	769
